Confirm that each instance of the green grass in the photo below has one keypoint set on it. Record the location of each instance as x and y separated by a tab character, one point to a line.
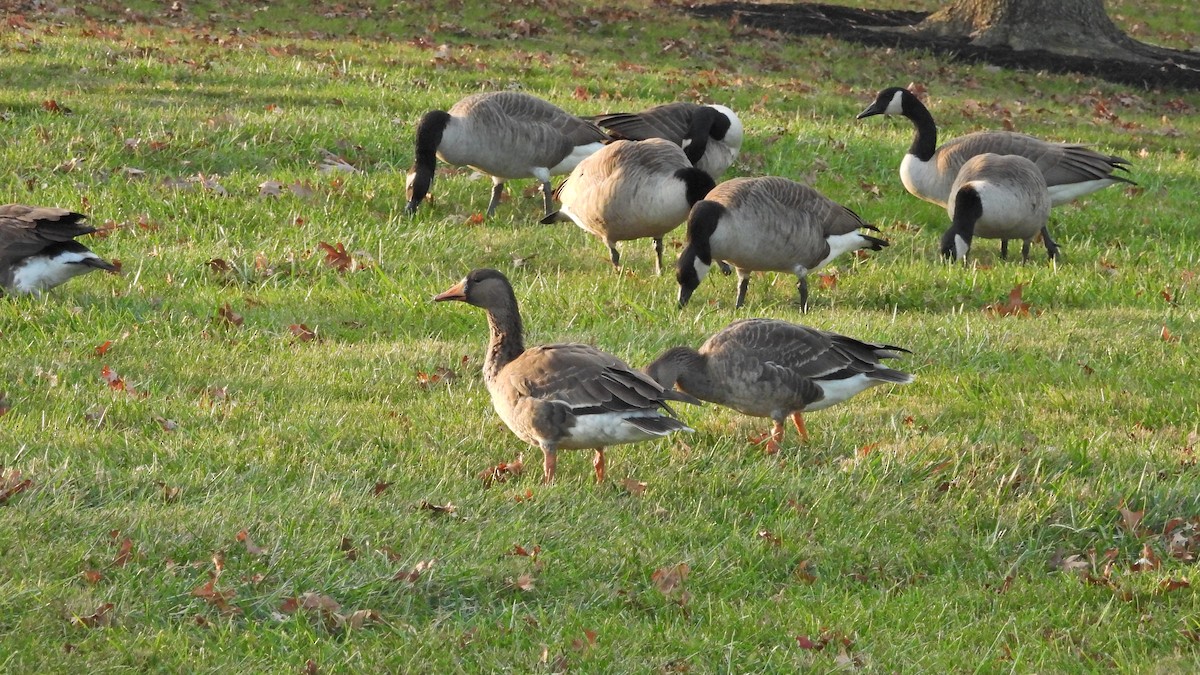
1017	445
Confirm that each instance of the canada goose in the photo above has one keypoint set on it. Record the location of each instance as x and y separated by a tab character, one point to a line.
997	197
505	134
562	396
767	223
630	190
776	369
927	171
711	135
38	250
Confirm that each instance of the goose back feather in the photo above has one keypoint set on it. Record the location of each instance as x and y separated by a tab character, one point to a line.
38	250
710	134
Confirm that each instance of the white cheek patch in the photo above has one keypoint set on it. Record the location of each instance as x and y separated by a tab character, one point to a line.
686	142
896	106
701	268
961	247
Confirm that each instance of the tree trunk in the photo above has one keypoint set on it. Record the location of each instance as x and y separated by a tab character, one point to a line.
1071	27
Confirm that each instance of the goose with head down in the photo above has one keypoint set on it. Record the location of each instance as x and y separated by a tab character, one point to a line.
506	135
997	197
711	135
776	369
632	190
769	224
562	396
38	250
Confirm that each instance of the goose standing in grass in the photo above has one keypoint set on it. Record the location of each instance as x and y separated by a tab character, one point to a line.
1071	170
631	190
38	250
505	134
769	224
562	396
997	197
776	369
711	135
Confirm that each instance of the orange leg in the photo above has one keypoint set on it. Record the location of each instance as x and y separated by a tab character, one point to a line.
772	439
598	463
798	420
549	462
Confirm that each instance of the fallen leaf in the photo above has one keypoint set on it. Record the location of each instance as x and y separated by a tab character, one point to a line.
668	579
92	577
439	509
521	551
355	620
347	546
1014	306
769	537
170	494
219	265
503	471
1130	520
103	348
411	576
226	314
251	547
166	424
523	582
270	188
1166	335
219	599
634	487
1172	584
11	484
124	553
337	257
99	618
1148	561
803	572
806	642
379	488
827	281
302	332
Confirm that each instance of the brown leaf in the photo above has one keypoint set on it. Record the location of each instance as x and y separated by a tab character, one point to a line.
114	381
270	188
523	582
310	668
219	599
668	579
251	547
166	424
827	281
1173	584
92	577
769	537
803	572
53	106
11	484
347	546
379	488
439	509
1014	306
103	348
503	471
355	620
806	642
99	618
318	602
337	257
1166	335
227	315
1130	520
475	219
1148	561
634	487
219	265
5	406
521	551
124	553
411	576
302	332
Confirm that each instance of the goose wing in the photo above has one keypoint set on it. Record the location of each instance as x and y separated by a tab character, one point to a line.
26	230
671	121
586	380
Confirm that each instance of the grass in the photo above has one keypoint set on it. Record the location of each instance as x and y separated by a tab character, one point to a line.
923	528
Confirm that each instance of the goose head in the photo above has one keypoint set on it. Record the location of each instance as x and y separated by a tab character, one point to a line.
696	258
891	101
968	209
485	288
420	176
667	368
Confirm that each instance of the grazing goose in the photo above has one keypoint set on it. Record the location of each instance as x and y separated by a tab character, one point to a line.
38	250
927	171
771	224
562	396
711	135
776	369
997	197
505	134
630	190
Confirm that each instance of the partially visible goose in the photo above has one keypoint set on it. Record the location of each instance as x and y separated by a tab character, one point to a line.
562	396
776	369
38	250
630	190
771	224
927	171
505	134
711	135
997	197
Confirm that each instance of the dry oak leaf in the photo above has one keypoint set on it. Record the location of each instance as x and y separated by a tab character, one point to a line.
337	257
634	486
226	314
1014	306
11	484
523	582
411	576
303	333
503	471
668	579
251	547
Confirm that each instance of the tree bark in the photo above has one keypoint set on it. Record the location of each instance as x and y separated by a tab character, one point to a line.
1072	27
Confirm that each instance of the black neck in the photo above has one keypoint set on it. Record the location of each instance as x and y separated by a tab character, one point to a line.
925	136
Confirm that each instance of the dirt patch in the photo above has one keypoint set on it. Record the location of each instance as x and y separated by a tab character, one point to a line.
883	28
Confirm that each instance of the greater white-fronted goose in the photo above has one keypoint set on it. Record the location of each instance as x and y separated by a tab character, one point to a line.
562	396
1071	170
767	224
997	197
506	135
631	190
711	135
38	250
776	369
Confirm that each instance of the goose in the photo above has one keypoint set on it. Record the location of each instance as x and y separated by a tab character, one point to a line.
505	134
562	396
776	369
767	223
927	171
630	190
997	197
38	250
711	135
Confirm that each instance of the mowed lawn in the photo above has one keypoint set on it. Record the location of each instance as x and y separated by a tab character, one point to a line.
260	448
